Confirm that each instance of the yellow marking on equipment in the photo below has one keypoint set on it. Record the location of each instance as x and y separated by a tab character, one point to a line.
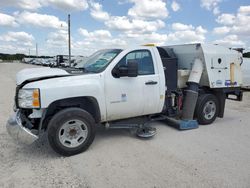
232	67
161	97
149	45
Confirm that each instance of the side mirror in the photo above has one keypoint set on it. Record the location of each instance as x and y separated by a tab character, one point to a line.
132	68
122	71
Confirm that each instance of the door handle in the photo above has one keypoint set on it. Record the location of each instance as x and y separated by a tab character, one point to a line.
150	82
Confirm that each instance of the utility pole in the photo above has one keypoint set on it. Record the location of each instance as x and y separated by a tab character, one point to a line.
69	40
36	50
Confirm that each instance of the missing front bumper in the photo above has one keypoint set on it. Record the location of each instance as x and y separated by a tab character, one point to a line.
18	132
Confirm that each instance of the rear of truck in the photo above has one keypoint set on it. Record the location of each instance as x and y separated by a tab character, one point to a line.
199	80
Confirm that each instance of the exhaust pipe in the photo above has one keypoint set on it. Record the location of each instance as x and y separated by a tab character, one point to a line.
192	90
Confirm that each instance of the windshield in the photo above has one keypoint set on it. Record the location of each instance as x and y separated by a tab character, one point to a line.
98	61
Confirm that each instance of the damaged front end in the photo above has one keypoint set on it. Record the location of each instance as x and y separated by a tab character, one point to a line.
19	128
26	122
24	125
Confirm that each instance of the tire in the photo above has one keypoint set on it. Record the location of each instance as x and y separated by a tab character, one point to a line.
71	131
207	109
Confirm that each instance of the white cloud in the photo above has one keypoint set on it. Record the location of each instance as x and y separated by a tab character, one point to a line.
56	43
58	38
188	36
7	20
241	26
21	37
236	24
221	30
146	38
24	4
141	23
181	34
29	4
95	40
187	33
211	5
41	20
230	41
148	9
119	23
12	48
137	22
226	19
67	5
97	12
200	30
180	27
100	38
122	23
175	6
96	35
244	10
216	11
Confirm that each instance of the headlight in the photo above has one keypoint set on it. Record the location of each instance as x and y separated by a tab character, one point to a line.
29	98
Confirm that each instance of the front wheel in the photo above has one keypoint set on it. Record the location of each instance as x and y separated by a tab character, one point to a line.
207	109
71	131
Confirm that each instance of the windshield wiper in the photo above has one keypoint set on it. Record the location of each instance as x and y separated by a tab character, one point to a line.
83	69
79	68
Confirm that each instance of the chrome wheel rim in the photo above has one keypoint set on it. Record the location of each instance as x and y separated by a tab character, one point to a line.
73	133
209	110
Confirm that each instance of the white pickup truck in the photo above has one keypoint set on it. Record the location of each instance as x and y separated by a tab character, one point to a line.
185	85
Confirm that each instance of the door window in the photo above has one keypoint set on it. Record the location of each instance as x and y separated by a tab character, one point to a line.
144	60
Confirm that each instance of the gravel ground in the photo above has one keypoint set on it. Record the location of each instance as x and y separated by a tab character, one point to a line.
217	155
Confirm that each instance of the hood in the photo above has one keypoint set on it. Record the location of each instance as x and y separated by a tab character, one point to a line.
38	73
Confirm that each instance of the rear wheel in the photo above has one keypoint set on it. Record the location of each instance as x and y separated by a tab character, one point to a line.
71	131
207	109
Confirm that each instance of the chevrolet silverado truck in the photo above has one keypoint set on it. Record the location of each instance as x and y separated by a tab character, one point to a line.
184	85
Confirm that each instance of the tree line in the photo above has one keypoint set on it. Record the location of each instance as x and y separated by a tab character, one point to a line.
12	57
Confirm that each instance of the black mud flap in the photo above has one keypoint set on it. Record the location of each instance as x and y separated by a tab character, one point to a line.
236	95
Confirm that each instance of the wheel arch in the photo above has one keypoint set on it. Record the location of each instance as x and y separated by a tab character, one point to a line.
88	103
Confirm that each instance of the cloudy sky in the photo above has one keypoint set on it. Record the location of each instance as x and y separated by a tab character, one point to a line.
99	24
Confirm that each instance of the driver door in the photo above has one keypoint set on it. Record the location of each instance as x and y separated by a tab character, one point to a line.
125	96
